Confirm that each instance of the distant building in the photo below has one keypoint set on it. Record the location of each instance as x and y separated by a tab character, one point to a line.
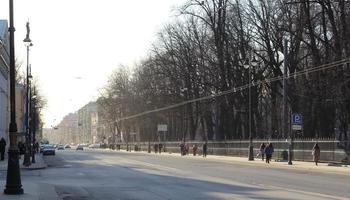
87	122
4	80
67	129
21	109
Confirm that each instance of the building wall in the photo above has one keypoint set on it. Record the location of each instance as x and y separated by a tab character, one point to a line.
87	122
20	108
4	80
94	126
68	129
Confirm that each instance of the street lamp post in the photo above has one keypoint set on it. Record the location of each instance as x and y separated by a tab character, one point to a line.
285	108
248	65
33	128
28	43
149	130
184	115
13	178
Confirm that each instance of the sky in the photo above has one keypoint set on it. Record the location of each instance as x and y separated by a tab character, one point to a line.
78	43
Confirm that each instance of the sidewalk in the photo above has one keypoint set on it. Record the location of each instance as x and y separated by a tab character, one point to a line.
39	164
32	191
296	165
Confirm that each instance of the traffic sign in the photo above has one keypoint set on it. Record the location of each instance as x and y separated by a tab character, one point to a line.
296	119
296	127
162	127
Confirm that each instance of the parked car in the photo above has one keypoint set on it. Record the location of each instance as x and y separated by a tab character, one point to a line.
80	147
60	147
67	146
41	147
94	146
48	149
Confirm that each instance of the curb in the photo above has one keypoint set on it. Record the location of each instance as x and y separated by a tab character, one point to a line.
39	164
297	165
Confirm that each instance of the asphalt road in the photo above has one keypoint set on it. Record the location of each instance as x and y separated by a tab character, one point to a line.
85	175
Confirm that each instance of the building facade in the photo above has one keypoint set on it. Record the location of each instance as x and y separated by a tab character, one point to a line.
67	129
21	111
4	80
87	123
80	127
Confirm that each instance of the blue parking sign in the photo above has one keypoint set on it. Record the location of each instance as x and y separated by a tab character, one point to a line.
296	119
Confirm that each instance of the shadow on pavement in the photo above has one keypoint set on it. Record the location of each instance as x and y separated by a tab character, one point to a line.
97	180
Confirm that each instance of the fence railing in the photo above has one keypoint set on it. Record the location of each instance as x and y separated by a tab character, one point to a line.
331	150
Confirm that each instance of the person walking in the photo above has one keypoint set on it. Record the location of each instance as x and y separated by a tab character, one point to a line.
182	149
194	149
2	148
262	151
160	146
187	149
155	147
269	151
205	149
316	153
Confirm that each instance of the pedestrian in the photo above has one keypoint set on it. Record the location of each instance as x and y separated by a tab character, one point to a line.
21	148
2	148
194	149
155	147
37	147
316	153
262	151
160	147
205	149
182	149
187	149
268	152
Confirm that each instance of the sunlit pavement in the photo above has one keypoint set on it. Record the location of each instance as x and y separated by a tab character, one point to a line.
296	165
103	174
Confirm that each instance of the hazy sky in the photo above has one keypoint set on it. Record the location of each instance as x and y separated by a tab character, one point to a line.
78	43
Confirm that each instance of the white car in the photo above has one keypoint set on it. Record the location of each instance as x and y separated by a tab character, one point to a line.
94	146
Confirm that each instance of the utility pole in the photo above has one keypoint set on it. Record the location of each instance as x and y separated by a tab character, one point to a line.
33	123
13	178
28	43
285	106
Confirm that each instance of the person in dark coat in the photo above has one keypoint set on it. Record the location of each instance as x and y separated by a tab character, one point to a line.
269	151
262	151
2	148
182	149
316	153
160	146
205	149
155	147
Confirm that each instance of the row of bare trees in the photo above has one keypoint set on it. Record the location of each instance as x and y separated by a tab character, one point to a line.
40	101
204	53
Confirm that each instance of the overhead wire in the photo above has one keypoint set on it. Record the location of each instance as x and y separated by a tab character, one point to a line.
243	87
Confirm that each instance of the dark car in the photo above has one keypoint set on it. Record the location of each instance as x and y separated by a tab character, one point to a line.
67	146
41	148
80	147
48	149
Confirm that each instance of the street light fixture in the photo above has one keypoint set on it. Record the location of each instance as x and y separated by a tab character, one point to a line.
248	65
13	178
28	43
